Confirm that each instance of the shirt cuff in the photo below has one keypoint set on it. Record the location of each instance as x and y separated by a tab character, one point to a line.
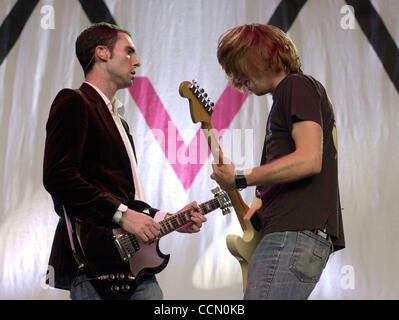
118	214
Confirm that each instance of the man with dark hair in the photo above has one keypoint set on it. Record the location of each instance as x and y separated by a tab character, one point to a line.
97	34
298	177
90	169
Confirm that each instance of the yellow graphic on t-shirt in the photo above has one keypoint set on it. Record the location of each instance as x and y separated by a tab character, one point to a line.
334	131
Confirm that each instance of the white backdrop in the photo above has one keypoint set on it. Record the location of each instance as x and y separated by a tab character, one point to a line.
176	41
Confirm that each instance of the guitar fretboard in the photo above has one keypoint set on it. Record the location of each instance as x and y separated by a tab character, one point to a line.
127	244
179	220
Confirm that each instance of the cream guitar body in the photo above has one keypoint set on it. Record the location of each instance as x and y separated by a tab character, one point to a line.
242	248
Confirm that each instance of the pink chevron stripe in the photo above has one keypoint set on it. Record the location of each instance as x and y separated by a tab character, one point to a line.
185	160
226	108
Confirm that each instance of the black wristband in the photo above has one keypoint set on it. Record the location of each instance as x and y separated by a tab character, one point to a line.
241	182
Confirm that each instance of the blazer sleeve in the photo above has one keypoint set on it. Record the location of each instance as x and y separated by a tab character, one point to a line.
66	129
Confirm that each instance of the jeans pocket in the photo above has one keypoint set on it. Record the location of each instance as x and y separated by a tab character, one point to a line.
309	257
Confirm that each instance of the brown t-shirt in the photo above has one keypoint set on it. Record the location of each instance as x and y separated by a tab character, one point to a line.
312	202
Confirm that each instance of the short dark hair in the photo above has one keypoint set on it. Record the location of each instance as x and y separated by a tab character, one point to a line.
101	33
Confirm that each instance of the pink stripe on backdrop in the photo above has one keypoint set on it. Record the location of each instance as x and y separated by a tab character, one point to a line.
185	160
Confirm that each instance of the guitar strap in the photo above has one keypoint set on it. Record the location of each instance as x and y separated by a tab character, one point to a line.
78	260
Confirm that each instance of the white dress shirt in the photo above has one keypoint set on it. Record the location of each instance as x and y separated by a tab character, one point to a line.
116	109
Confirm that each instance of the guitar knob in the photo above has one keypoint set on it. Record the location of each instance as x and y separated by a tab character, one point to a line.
115	289
120	276
226	211
111	277
126	287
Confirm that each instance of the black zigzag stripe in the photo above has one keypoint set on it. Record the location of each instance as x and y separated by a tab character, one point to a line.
286	13
379	37
13	25
97	11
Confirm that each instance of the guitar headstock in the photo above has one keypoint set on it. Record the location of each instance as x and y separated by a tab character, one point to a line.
223	199
201	107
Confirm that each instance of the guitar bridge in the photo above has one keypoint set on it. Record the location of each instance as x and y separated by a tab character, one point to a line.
127	245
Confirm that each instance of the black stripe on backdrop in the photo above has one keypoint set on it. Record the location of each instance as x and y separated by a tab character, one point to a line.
379	37
97	11
13	25
286	13
283	17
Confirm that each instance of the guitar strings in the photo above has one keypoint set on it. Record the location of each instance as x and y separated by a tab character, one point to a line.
130	244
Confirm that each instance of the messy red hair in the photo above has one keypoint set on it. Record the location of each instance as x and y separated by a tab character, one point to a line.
254	48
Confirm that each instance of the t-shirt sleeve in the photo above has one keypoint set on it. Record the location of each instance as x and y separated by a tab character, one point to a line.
302	102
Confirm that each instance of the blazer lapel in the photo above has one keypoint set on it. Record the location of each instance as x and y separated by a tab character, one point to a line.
109	123
124	123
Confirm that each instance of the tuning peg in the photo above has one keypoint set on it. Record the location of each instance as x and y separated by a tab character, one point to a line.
194	86
215	190
203	100
210	107
226	211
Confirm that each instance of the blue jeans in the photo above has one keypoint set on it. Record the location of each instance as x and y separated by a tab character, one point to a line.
286	265
147	289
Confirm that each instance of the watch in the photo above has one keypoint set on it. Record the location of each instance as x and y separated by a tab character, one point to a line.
241	182
118	213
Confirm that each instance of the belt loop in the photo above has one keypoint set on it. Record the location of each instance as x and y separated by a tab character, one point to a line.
331	244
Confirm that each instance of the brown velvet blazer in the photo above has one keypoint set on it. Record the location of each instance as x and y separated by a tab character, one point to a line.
86	169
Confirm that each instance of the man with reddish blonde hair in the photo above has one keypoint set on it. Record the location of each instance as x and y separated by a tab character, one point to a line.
297	180
253	49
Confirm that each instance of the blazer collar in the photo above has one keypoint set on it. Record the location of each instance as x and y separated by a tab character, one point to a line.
91	93
109	123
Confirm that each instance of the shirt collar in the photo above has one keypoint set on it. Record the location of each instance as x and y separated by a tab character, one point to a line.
115	101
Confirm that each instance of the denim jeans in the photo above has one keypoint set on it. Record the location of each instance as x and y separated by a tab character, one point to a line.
147	289
286	265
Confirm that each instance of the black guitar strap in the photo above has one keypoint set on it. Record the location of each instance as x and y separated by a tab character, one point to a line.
79	261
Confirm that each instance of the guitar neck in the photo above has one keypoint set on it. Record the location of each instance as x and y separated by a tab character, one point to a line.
239	205
201	110
179	220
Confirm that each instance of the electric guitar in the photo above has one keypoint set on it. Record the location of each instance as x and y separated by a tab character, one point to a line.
117	260
242	248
